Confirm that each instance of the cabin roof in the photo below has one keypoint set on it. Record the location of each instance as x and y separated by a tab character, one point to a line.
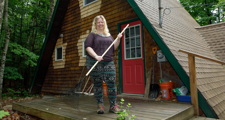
214	35
48	46
178	32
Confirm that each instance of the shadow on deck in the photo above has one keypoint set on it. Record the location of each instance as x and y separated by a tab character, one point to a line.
52	108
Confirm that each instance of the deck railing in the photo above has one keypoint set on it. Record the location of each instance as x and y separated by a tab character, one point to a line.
192	76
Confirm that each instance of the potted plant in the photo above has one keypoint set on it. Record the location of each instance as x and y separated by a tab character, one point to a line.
124	112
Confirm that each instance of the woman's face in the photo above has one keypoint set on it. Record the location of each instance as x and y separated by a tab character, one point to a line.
100	24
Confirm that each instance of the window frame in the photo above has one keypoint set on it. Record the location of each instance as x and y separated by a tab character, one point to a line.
56	53
84	2
130	43
83	49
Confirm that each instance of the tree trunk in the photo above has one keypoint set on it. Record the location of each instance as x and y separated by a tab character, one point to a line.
25	79
30	34
2	66
28	78
208	13
34	37
1	12
52	6
21	42
218	14
21	27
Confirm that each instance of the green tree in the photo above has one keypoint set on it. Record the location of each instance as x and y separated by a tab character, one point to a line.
221	10
28	22
1	11
204	11
4	53
52	6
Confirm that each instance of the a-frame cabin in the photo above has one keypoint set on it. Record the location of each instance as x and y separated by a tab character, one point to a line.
63	57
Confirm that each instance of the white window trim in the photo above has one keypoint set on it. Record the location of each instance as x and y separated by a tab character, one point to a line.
130	43
56	53
83	50
84	1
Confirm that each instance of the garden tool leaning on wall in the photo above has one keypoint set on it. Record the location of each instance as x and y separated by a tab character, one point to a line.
154	88
72	96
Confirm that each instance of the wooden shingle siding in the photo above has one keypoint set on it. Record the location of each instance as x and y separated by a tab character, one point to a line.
74	28
61	80
80	48
166	66
178	32
89	9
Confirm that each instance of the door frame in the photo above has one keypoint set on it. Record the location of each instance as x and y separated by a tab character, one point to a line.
120	53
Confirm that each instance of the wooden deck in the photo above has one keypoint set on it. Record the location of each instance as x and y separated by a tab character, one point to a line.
52	108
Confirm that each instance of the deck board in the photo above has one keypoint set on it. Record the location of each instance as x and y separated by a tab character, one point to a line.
52	108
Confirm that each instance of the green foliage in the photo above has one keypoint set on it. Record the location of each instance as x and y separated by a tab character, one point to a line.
125	111
3	113
27	20
221	7
17	93
11	93
12	73
205	11
29	57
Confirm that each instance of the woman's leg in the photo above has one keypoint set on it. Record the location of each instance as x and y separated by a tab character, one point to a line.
96	76
110	80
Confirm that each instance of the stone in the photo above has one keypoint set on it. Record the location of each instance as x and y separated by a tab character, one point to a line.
7	107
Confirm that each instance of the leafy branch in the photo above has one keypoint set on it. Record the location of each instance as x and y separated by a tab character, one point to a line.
30	57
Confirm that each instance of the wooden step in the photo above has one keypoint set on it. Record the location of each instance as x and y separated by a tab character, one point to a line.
203	118
185	114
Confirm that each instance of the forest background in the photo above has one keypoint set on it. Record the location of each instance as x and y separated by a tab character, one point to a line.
23	26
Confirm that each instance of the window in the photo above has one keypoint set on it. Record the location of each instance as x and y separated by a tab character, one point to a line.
132	43
84	52
87	2
59	53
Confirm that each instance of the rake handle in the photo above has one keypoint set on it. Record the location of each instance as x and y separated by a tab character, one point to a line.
91	89
86	83
106	51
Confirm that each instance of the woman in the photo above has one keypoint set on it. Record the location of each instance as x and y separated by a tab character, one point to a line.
96	44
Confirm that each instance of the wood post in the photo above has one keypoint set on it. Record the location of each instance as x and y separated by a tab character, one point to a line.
193	83
148	82
192	76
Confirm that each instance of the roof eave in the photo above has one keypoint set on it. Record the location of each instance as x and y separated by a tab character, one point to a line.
48	46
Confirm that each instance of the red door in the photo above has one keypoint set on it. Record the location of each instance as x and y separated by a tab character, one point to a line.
132	58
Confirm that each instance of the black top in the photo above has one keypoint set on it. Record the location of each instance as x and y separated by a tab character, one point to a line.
100	44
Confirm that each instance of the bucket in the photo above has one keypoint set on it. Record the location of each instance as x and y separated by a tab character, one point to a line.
104	89
166	90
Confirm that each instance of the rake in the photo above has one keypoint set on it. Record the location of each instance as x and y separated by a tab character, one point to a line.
72	96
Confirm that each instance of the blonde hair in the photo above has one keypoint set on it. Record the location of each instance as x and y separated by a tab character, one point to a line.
94	30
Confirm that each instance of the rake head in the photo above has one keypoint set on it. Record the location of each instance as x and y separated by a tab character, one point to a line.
72	96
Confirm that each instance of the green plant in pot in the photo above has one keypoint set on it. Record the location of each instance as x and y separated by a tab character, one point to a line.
125	112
